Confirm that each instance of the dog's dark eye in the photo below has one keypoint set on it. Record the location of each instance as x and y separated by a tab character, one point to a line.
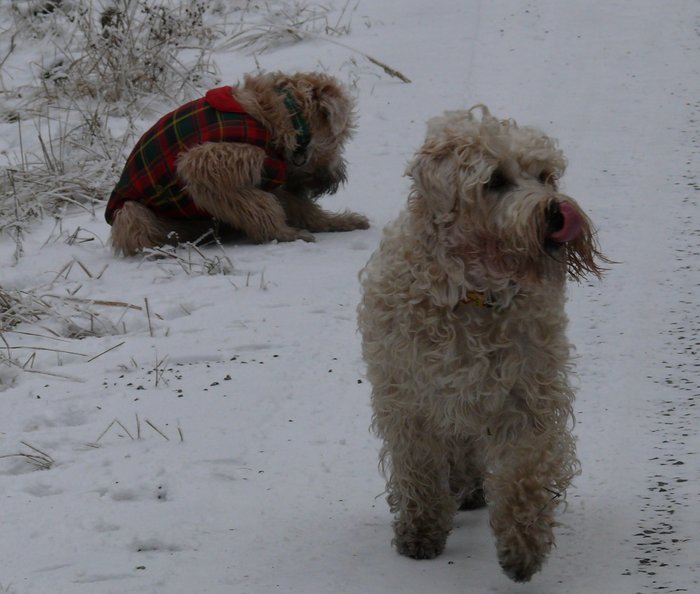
547	177
498	181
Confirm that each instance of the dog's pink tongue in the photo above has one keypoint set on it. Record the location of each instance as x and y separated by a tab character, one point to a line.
571	226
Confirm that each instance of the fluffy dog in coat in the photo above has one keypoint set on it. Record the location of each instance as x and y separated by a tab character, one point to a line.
253	158
463	327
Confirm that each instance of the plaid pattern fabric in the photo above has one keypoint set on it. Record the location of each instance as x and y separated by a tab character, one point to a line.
149	174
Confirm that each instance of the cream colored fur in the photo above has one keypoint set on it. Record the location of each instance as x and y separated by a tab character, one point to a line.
468	400
222	177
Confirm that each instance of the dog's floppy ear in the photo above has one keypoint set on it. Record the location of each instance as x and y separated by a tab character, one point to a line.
337	106
435	172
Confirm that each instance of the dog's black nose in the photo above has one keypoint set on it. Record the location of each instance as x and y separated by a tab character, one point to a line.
564	222
554	218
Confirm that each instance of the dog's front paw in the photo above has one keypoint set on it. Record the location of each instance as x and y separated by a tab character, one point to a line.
419	545
305	235
343	221
354	220
517	569
294	234
521	562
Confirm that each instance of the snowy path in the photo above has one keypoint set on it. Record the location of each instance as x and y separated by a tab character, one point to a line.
274	487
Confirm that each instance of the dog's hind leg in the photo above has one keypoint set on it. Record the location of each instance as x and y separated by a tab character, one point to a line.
222	177
135	227
418	489
305	213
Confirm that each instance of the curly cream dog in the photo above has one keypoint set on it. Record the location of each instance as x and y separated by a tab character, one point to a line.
252	157
463	328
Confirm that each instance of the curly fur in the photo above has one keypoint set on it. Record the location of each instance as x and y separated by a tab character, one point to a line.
470	401
222	177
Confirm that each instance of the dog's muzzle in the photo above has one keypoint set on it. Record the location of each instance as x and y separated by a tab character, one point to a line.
563	222
327	181
317	183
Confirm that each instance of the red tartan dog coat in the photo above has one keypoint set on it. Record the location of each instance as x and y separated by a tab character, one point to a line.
149	176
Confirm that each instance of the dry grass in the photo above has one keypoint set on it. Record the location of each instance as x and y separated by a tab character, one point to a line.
106	64
109	66
191	258
47	318
75	170
67	316
271	25
35	457
268	26
136	434
118	52
51	313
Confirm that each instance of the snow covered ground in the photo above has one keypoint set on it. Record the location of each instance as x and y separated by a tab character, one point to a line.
222	444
